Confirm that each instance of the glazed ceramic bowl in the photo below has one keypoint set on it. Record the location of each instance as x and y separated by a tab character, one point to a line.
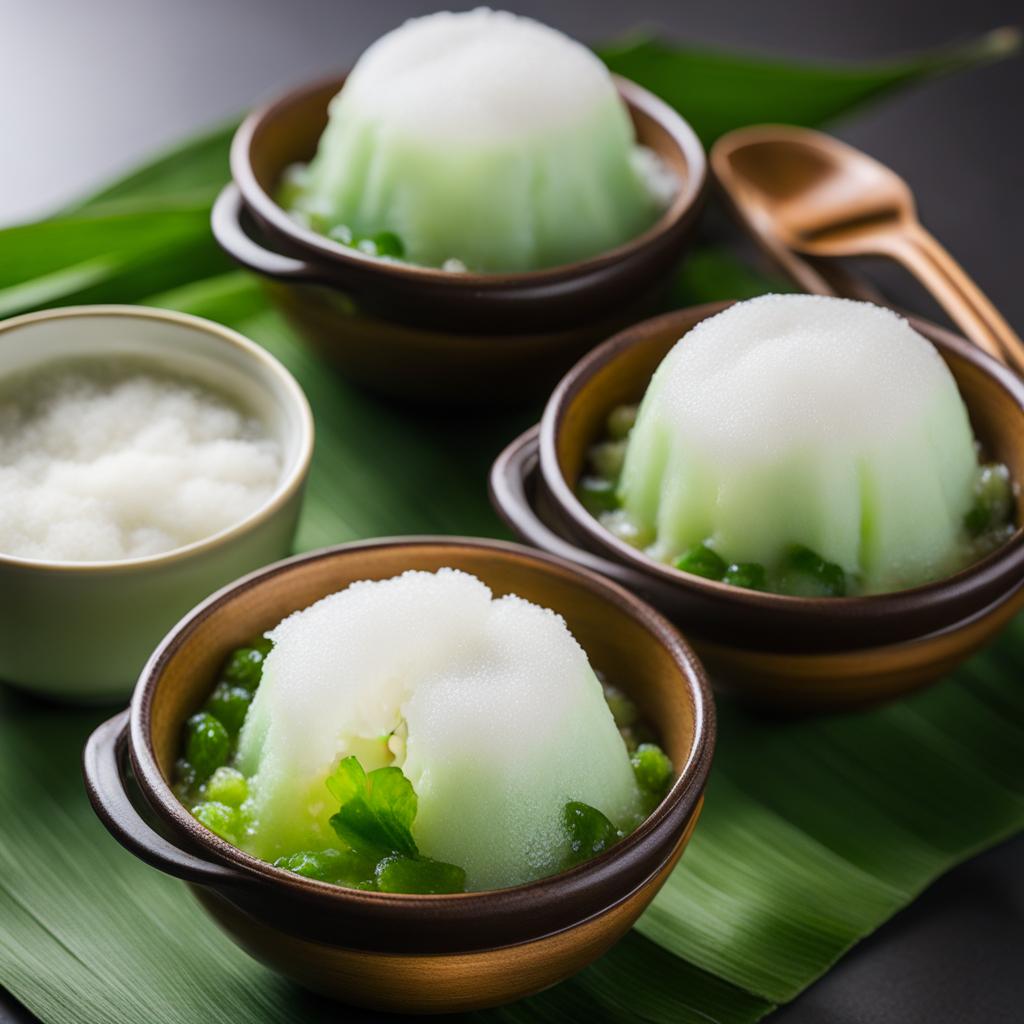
81	631
432	335
797	652
409	952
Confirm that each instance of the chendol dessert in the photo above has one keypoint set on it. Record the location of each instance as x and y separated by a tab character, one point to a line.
806	445
418	735
479	141
105	460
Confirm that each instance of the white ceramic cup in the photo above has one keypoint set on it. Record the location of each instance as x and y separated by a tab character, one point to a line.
81	631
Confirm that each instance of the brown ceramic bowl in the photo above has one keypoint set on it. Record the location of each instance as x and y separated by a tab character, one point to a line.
783	650
408	952
418	332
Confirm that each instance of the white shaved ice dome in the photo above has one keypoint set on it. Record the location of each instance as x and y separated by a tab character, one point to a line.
800	419
504	723
485	138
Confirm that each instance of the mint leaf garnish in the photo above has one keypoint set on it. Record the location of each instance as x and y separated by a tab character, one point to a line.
377	810
590	832
375	821
420	875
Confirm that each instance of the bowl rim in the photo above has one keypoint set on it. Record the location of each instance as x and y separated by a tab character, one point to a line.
932	594
680	801
322	248
293	474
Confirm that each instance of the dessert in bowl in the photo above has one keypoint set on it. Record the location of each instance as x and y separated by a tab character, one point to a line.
810	646
397	943
474	249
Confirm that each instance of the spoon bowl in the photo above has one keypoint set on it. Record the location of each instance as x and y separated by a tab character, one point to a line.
819	193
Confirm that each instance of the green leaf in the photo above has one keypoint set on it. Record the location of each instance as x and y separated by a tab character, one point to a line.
377	810
702	561
711	273
111	257
198	169
807	574
420	875
717	92
589	832
339	867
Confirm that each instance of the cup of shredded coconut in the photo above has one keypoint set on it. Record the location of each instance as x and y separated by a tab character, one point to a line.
146	459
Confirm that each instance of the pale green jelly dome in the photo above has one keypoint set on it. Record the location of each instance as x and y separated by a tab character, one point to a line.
485	138
802	420
489	707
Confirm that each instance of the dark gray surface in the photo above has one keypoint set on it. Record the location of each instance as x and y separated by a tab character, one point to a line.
88	88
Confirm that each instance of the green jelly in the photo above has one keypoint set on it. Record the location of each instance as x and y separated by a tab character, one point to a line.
700	560
652	768
806	574
207	744
245	665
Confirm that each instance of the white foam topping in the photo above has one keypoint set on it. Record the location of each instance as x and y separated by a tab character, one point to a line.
476	74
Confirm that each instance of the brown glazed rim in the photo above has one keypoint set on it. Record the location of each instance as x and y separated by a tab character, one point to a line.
928	595
325	249
674	810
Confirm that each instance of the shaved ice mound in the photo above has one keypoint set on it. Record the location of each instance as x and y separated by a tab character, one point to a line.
489	707
803	420
483	140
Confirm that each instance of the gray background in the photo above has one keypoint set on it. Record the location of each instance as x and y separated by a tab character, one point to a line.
88	87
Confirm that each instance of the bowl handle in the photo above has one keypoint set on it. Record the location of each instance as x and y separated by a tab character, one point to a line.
103	764
231	236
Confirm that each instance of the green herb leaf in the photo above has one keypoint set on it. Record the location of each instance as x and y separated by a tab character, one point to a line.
806	574
420	875
589	831
377	810
339	867
993	500
746	574
702	561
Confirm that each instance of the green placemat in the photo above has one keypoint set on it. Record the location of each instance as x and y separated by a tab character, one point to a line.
815	831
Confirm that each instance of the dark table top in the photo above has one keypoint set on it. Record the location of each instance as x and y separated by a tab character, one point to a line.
87	89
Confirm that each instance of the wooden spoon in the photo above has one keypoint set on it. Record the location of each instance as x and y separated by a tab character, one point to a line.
806	191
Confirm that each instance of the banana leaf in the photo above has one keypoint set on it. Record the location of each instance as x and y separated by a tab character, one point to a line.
717	92
815	830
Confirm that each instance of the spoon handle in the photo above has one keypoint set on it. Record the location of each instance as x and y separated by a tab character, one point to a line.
961	298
